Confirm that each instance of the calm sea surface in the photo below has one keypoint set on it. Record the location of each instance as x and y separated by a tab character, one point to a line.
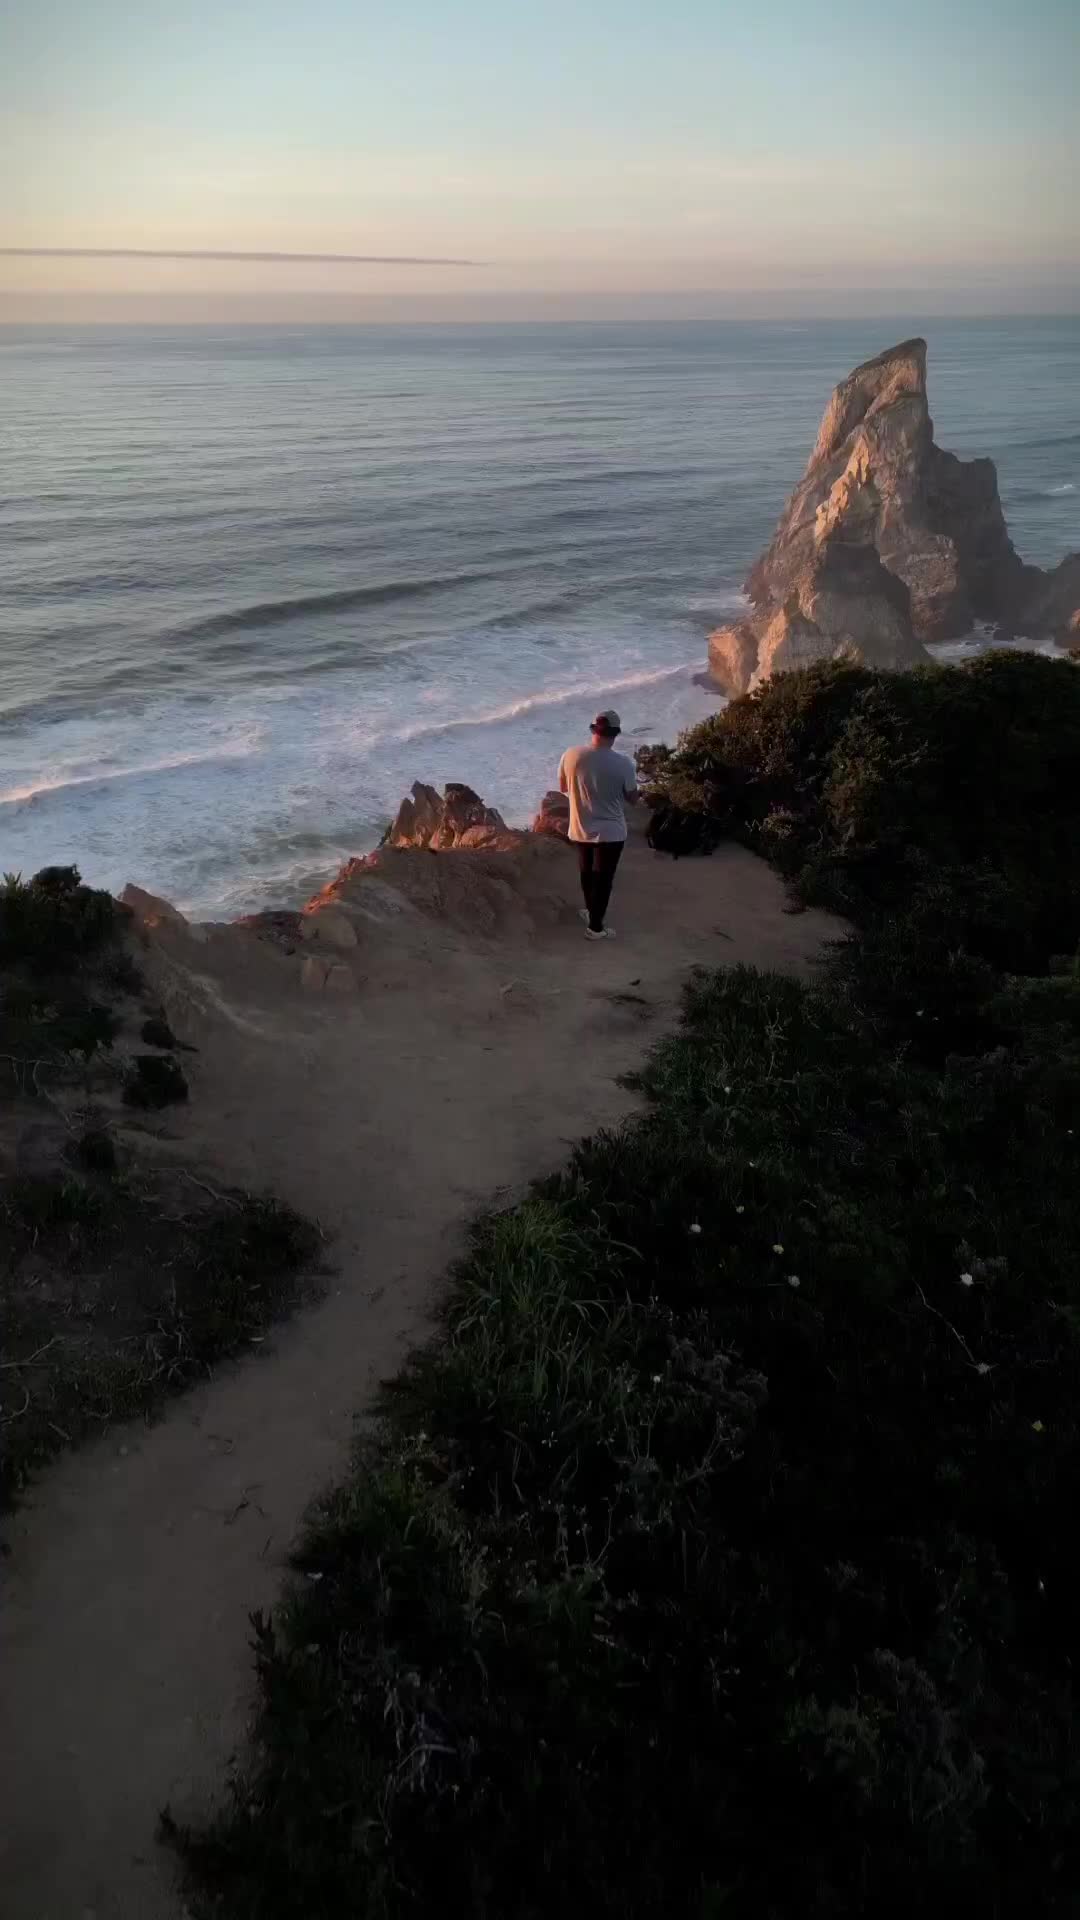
255	581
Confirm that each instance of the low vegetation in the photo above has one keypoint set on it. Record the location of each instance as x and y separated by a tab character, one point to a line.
717	1558
118	1284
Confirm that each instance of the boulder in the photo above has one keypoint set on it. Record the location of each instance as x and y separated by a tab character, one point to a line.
553	817
887	542
733	656
319	975
458	818
327	925
1052	603
150	911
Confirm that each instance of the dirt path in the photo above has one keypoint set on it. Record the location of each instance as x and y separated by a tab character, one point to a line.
462	1068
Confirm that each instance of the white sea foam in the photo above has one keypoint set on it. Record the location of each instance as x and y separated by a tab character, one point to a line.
255	804
539	703
63	782
981	639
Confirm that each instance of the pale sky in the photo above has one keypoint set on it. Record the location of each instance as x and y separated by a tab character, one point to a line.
596	156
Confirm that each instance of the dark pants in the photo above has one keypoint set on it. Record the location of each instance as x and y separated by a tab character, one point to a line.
597	862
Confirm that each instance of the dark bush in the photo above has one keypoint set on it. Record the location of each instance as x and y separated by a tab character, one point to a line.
113	1294
154	1080
865	788
95	1150
52	922
157	1032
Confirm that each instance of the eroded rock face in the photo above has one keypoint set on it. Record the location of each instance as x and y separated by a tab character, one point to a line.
553	817
887	542
324	924
875	478
150	912
459	818
1053	603
846	606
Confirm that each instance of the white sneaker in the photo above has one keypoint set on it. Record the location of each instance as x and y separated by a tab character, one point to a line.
608	933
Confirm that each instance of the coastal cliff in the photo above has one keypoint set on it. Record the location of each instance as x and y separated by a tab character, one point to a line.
887	542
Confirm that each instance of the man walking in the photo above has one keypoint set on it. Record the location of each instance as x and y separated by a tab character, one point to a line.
599	782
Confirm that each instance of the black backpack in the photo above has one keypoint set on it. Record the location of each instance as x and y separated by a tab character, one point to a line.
674	831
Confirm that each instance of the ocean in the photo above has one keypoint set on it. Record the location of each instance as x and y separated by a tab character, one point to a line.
254	581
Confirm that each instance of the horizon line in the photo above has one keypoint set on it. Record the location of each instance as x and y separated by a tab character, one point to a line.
211	253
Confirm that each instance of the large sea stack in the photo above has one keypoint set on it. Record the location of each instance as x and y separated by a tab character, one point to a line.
886	543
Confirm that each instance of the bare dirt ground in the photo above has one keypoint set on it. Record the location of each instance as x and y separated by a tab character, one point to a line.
472	1038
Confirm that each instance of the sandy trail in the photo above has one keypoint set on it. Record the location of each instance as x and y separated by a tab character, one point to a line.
464	1066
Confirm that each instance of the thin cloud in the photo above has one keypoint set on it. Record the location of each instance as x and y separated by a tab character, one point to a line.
208	253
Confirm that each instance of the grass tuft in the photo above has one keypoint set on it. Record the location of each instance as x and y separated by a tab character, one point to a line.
109	1299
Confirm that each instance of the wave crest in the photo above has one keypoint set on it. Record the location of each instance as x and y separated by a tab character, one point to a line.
22	796
272	613
586	691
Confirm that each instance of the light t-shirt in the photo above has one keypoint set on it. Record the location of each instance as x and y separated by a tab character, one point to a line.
598	781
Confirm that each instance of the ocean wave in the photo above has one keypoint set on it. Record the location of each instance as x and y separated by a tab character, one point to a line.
715	605
983	639
1067	486
22	796
271	613
535	703
1071	438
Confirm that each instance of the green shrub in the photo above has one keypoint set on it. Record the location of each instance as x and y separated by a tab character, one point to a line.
112	1296
864	787
52	922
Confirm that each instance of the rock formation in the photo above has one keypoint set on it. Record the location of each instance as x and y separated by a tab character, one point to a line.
553	817
886	542
458	819
1052	604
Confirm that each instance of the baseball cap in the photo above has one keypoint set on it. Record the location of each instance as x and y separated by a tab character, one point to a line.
608	722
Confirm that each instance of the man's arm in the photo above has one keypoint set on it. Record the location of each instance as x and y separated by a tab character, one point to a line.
564	784
631	792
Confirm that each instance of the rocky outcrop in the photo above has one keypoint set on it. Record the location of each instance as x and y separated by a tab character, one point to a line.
553	817
324	924
318	975
887	542
150	912
846	606
458	818
1052	604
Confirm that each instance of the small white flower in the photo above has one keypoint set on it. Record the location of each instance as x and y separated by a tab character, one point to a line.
918	1013
727	1089
740	1209
656	1379
981	1367
778	1246
694	1227
1037	1427
793	1280
966	1280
